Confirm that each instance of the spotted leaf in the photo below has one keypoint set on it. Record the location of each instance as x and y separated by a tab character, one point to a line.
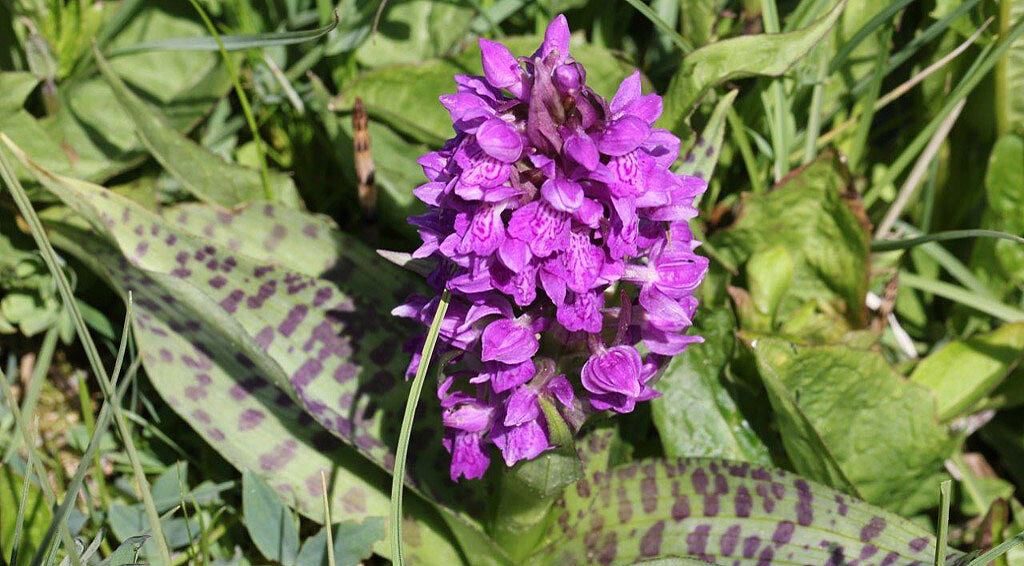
725	513
301	311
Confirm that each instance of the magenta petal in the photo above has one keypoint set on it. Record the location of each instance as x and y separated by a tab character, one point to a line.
523	442
560	387
500	140
647	108
515	254
562	194
500	66
545	229
469	458
507	341
629	91
469	417
616	370
504	376
521	407
556	38
583	150
623	136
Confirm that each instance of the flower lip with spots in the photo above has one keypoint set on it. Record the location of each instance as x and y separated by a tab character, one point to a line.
549	199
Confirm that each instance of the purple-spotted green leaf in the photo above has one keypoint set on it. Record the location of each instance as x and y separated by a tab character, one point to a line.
326	343
837	406
236	409
700	159
724	513
963	372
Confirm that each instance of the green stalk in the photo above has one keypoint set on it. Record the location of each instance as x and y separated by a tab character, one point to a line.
398	475
243	100
940	544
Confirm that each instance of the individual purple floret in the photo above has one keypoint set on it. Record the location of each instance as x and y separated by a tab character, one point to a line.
561	233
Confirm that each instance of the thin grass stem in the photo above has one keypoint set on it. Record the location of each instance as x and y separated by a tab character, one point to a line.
398	476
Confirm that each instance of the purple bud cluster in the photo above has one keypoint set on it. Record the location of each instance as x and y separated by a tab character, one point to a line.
548	201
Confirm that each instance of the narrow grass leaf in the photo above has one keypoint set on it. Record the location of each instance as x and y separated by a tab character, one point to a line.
963	296
907	243
398	475
684	45
231	42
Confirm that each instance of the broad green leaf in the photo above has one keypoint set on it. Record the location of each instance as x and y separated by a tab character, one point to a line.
222	329
961	373
90	138
405	96
353	543
205	174
805	446
271	526
37	515
1010	393
701	159
14	89
880	429
744	56
696	414
726	513
127	552
129	520
1001	262
826	249
412	31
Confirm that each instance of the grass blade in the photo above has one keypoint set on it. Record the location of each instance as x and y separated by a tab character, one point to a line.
234	42
986	558
19	521
398	474
874	23
681	42
981	66
779	105
243	101
91	352
35	384
37	466
963	296
907	243
917	173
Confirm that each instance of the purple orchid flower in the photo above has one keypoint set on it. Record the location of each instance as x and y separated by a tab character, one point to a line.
548	199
